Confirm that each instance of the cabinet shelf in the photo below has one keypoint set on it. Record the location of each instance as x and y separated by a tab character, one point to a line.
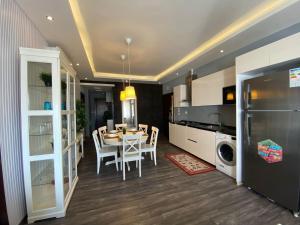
39	134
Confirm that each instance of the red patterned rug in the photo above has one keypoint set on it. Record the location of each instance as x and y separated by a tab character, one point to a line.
188	163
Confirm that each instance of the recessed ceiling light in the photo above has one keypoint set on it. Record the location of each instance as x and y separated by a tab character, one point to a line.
221	51
71	64
77	64
50	18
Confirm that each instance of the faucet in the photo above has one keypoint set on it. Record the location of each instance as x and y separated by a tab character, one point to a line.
219	122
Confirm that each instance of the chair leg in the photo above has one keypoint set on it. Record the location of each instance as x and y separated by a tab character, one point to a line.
128	167
116	159
136	164
140	168
123	164
154	157
98	164
151	155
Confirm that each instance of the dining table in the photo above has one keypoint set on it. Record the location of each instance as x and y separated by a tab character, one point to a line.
115	139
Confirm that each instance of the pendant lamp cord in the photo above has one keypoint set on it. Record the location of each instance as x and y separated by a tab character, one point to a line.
123	73
129	65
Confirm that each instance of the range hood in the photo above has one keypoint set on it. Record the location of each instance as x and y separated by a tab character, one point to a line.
188	81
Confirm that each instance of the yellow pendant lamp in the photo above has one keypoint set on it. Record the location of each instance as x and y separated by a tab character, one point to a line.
130	93
129	90
122	96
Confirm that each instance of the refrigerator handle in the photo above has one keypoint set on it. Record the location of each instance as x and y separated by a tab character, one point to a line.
248	97
248	127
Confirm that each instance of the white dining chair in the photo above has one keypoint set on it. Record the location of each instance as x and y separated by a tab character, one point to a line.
131	151
144	128
120	126
102	153
151	147
102	131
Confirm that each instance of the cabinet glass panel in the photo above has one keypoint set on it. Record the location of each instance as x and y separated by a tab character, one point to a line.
43	185
66	172
72	127
73	161
40	135
72	85
64	138
39	86
63	89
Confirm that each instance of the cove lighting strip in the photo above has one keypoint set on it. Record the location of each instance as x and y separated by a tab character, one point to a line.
259	13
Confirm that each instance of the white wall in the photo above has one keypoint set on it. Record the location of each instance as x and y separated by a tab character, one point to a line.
15	30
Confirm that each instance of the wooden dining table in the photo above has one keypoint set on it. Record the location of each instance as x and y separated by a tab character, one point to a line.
116	140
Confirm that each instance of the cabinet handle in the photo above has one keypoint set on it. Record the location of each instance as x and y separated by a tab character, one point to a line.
192	140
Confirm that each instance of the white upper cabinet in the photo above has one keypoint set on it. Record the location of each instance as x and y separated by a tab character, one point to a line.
285	49
208	90
280	51
180	96
252	60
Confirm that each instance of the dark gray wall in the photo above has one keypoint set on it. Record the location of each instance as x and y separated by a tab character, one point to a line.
149	104
204	113
229	60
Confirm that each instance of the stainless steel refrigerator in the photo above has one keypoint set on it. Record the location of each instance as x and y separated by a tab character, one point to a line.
271	137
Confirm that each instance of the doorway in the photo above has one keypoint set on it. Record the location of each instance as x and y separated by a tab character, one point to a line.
167	112
100	110
100	107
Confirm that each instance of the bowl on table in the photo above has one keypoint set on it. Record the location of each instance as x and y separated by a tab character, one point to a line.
113	131
132	130
112	135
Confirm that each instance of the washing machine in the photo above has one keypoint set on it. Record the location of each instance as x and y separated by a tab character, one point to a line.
226	154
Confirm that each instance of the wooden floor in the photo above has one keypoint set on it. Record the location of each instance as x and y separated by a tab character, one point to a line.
165	195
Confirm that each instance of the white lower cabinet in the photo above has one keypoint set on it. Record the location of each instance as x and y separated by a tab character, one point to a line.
200	143
172	133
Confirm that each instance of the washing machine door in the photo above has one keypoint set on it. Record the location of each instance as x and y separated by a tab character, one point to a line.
226	153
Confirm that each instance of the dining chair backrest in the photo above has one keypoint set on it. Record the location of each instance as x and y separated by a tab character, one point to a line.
154	136
120	126
96	141
144	128
102	131
131	144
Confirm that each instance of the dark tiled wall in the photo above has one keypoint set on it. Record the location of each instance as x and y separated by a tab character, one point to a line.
208	114
149	104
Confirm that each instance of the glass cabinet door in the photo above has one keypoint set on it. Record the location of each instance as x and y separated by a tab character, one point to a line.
40	135
66	173
72	85
73	162
64	86
43	184
39	86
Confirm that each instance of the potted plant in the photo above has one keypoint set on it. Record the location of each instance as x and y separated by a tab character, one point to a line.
80	116
47	79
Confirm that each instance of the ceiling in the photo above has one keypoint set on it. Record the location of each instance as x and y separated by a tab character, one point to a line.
169	36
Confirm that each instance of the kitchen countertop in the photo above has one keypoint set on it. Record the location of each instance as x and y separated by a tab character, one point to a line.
210	127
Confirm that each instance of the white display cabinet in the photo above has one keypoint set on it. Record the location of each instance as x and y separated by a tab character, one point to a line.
48	131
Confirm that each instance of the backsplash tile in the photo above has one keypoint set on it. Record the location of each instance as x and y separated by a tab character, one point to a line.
208	114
